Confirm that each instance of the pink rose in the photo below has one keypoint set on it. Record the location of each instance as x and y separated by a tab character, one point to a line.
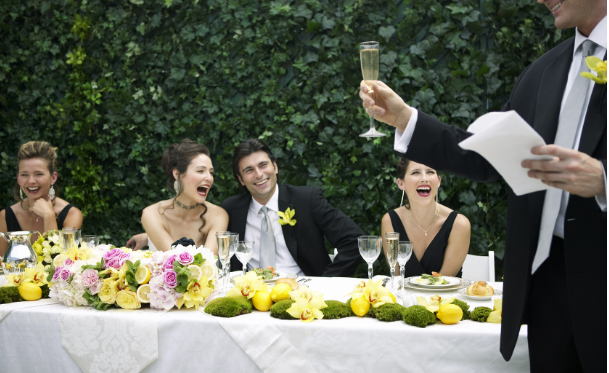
65	274
68	262
89	277
185	259
114	263
112	253
96	287
56	274
171	278
169	263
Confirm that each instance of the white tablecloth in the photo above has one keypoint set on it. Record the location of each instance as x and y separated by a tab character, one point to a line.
193	341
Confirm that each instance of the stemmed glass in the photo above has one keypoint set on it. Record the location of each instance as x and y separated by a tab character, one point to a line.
223	241
68	235
90	240
369	249
244	253
369	56
392	243
234	242
77	237
404	253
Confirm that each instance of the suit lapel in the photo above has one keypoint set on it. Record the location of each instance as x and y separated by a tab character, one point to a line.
594	125
285	201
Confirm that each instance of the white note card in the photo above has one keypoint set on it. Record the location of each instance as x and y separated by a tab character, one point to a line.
504	139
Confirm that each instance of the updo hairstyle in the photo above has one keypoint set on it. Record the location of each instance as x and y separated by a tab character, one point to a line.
36	149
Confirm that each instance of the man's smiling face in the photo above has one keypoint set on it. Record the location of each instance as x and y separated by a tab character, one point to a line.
259	175
583	14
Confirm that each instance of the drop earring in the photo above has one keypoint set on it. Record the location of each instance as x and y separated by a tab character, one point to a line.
52	193
177	186
402	201
21	193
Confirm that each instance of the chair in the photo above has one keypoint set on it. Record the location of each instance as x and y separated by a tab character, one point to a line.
479	268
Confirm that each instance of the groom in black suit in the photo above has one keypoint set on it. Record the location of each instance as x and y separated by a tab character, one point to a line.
299	248
550	295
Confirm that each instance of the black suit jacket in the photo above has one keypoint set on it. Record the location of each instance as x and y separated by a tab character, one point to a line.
315	218
537	96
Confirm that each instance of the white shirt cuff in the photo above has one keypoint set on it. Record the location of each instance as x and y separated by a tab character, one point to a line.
402	138
601	199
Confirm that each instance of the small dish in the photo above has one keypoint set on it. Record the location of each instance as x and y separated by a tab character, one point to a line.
476	297
452	283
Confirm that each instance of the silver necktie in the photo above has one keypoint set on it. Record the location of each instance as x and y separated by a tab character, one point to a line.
568	124
267	240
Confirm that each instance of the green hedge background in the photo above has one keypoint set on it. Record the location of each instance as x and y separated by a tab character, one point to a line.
113	83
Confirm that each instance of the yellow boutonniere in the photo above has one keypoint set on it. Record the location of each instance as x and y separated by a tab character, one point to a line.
286	217
599	66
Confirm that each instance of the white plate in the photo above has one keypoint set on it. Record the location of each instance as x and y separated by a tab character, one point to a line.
278	275
452	282
476	297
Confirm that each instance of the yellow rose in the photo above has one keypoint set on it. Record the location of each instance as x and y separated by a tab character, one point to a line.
107	294
127	299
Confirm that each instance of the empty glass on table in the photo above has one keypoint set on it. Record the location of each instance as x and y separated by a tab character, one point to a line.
90	240
234	242
369	249
245	251
404	253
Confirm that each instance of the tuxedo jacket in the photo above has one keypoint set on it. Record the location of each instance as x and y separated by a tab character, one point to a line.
537	96
315	219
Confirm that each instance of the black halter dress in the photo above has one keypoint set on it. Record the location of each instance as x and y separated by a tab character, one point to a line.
12	224
434	255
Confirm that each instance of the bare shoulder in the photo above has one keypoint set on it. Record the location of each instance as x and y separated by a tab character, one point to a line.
386	219
462	222
156	208
216	211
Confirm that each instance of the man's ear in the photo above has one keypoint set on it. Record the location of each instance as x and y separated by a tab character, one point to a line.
240	180
276	168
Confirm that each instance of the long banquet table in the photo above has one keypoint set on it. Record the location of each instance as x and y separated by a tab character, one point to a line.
31	340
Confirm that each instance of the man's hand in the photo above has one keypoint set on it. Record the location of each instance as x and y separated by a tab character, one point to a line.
137	241
572	171
387	105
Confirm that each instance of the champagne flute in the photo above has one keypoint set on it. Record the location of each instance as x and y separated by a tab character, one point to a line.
404	253
245	251
68	238
369	249
369	57
392	243
234	242
223	242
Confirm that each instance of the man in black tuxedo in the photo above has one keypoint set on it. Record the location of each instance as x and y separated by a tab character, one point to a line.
548	293
294	249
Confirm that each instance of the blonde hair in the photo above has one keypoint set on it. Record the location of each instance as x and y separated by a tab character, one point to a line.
36	149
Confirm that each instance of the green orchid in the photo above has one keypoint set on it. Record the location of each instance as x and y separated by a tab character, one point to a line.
599	66
286	217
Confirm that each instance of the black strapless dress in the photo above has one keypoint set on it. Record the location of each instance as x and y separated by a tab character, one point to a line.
12	224
434	255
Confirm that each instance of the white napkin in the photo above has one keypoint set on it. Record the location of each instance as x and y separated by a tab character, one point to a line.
504	139
7	308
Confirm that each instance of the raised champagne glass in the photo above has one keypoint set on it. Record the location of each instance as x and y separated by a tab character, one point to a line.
391	243
369	57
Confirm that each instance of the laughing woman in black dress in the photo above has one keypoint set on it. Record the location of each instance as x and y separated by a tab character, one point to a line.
38	209
440	236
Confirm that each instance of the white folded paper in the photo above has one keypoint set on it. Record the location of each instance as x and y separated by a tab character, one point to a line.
504	139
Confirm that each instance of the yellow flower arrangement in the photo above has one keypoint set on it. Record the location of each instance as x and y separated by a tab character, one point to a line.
435	302
286	217
247	286
307	311
109	291
36	275
127	299
196	293
375	293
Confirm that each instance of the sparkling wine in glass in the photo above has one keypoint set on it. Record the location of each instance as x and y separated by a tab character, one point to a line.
404	253
223	241
69	239
369	57
245	251
391	243
369	249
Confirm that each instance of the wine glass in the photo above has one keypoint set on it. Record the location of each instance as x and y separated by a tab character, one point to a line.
404	253
90	240
68	235
223	242
369	57
392	243
77	237
369	249
234	242
245	251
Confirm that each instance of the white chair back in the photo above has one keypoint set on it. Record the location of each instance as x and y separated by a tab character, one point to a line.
479	268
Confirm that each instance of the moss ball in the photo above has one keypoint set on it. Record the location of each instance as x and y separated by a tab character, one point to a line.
278	310
464	307
336	310
388	312
229	306
418	316
480	314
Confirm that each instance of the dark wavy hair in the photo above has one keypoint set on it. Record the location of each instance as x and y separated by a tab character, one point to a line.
36	149
246	148
178	157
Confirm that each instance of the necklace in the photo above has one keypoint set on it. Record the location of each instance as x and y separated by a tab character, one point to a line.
432	223
186	207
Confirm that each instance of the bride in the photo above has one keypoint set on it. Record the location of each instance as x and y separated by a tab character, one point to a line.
190	171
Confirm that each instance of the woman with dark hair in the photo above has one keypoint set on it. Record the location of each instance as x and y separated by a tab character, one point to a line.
38	208
440	236
190	173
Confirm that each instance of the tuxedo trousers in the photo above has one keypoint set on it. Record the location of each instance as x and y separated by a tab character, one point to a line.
552	344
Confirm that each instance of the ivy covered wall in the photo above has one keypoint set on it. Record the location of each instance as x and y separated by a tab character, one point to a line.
112	83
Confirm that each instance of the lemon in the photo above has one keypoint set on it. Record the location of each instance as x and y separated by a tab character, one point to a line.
262	301
281	292
29	291
360	306
208	270
195	272
450	314
142	293
393	297
142	275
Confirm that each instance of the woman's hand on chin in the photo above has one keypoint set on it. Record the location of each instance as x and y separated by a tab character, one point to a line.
42	208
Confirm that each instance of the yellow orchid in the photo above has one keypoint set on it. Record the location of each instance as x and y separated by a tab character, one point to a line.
197	292
495	316
305	310
16	280
247	286
37	246
374	292
435	302
599	66
286	217
37	275
305	293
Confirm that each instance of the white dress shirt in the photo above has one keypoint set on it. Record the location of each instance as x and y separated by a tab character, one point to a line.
599	36
284	262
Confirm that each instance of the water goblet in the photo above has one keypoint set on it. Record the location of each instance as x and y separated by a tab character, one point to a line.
391	243
245	251
369	249
223	243
369	57
90	240
404	253
77	237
